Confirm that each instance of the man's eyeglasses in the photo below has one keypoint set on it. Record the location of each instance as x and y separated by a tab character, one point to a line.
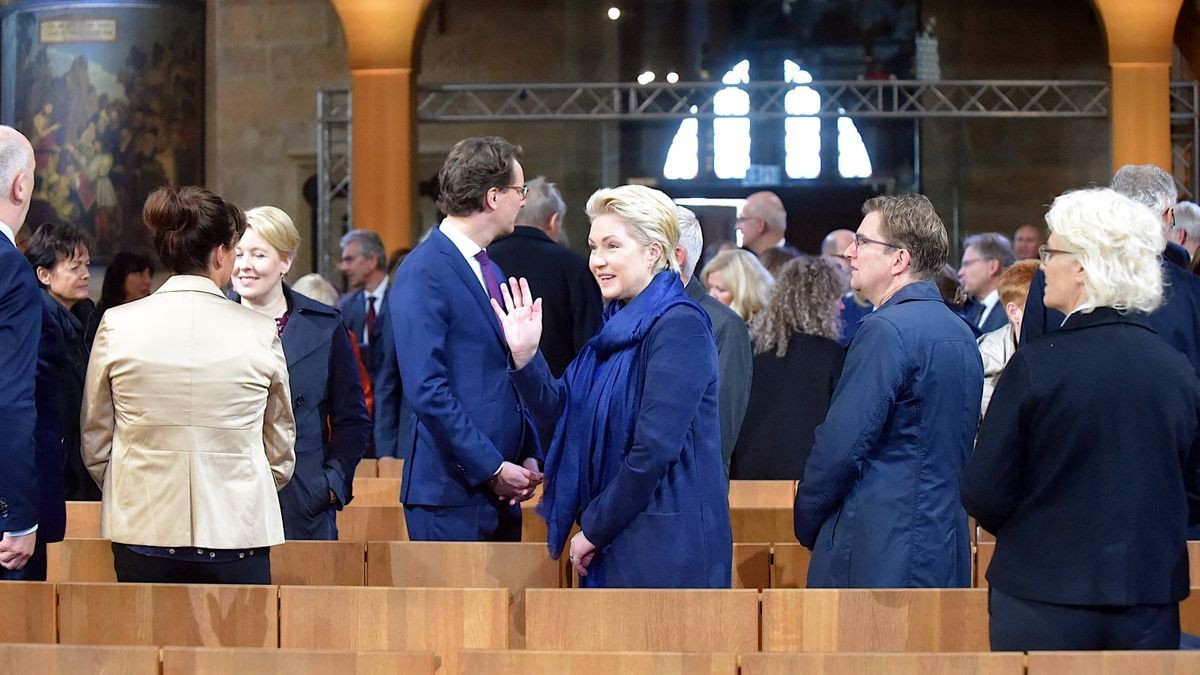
523	189
1046	253
860	241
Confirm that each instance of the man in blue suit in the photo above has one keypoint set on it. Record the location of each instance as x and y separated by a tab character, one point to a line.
985	257
22	549
472	454
364	310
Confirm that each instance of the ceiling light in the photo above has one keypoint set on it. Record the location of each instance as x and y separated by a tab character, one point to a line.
672	77
646	77
614	13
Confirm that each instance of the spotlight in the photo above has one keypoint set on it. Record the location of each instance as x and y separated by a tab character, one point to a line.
646	77
672	77
614	13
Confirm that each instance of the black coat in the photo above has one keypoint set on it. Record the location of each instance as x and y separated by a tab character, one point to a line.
571	302
71	367
332	426
788	400
1087	466
734	362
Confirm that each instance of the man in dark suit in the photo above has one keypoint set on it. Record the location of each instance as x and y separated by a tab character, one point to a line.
734	358
364	311
571	302
472	455
22	549
985	257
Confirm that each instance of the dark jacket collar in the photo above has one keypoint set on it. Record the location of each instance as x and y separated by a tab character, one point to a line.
308	325
1103	316
527	231
917	290
694	290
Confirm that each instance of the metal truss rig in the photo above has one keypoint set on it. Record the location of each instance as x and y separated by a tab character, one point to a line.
334	153
867	98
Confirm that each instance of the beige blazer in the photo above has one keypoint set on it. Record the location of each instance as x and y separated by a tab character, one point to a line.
187	420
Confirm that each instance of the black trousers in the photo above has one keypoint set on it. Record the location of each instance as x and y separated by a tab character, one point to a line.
147	569
34	569
1018	624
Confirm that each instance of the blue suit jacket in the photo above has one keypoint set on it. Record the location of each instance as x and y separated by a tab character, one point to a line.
325	387
48	434
379	358
879	503
20	332
468	417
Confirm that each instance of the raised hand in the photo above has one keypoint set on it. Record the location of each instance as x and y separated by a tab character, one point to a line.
522	322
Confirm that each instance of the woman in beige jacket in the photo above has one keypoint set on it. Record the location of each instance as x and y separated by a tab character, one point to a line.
187	421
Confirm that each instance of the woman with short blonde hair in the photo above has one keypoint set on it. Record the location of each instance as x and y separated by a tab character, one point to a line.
737	279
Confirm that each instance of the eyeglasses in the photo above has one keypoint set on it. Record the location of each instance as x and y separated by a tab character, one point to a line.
860	241
523	189
1045	252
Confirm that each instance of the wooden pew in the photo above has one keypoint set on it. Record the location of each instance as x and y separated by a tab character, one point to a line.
642	620
389	467
319	563
1011	663
376	491
28	612
760	494
440	620
189	660
75	659
367	468
80	560
789	566
922	620
371	523
421	564
517	662
168	614
1113	663
751	565
1194	563
756	525
83	519
1189	612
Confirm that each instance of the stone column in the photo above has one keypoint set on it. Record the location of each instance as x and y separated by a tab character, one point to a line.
381	37
1140	43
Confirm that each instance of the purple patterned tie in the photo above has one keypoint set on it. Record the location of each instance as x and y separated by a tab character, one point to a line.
490	279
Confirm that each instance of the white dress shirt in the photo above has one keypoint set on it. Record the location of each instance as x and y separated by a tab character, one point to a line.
469	249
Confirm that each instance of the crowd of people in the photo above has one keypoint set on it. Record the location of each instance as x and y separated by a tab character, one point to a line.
227	411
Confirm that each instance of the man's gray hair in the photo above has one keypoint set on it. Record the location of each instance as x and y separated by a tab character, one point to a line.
1187	218
15	157
1147	185
369	244
691	237
543	201
992	245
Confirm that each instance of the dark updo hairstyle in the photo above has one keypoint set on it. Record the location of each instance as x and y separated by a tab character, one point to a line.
188	224
112	293
53	243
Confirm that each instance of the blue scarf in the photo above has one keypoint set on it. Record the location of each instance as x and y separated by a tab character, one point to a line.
604	384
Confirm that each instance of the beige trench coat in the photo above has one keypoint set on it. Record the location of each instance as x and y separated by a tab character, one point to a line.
187	420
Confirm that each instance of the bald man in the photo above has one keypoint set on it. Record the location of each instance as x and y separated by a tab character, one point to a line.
762	222
834	248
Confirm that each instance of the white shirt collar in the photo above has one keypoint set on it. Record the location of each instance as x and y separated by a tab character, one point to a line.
7	231
378	291
991	299
468	248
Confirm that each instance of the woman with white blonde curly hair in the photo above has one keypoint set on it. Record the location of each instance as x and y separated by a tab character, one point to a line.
1087	468
737	279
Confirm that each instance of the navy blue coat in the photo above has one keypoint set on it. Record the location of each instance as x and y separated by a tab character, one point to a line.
879	503
1088	466
454	361
20	333
379	358
663	520
48	434
325	388
70	362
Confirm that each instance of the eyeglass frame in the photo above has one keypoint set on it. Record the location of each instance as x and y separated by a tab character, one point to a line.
523	189
1045	253
860	240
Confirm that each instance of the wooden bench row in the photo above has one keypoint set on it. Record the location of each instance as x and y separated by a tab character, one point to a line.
442	620
180	660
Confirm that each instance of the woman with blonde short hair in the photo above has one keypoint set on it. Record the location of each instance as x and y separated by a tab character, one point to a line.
1087	467
739	280
636	457
332	426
